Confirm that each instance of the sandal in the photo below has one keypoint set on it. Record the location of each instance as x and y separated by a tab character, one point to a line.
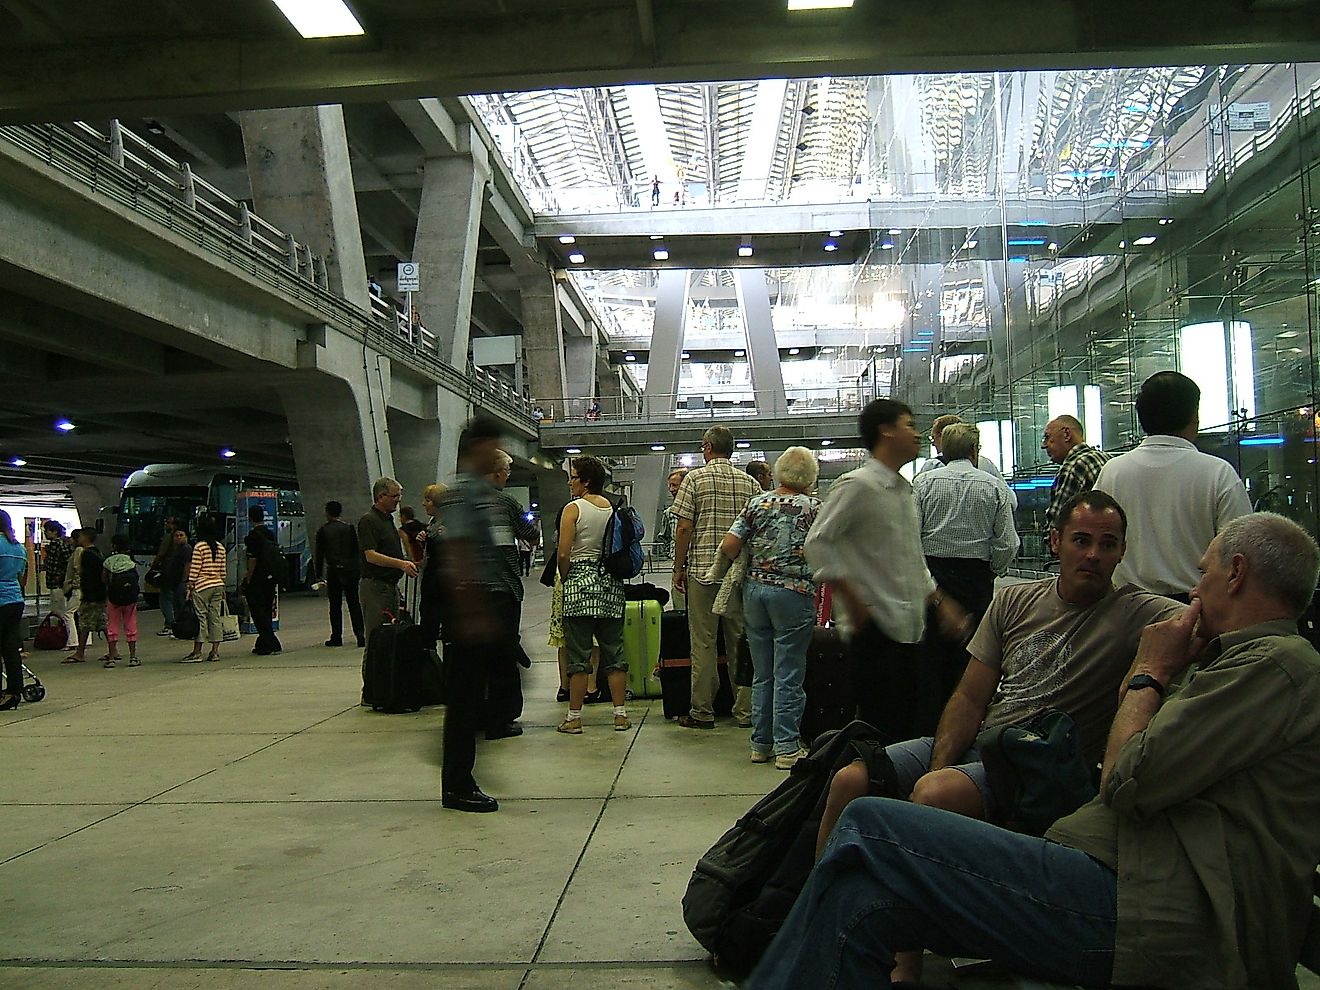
107	662
134	662
74	660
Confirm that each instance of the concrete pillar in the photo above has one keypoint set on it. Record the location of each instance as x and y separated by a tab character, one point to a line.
610	388
650	493
446	247
671	302
302	182
762	351
543	344
97	501
551	495
580	373
336	411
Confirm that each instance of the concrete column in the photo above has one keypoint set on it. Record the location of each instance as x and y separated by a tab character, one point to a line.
610	388
302	182
97	500
551	496
446	247
336	411
650	494
543	344
580	373
425	449
671	302
762	351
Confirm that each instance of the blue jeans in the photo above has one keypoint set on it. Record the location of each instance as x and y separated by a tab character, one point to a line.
169	604
779	624
898	876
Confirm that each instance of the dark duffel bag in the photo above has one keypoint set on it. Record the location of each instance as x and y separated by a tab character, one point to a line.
187	625
645	591
831	703
745	885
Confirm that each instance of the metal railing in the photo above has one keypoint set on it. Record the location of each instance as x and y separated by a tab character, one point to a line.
712	404
124	168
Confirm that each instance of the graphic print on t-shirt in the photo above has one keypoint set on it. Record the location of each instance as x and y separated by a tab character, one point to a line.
1035	671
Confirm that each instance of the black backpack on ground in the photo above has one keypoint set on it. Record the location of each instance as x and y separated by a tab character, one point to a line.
745	885
123	588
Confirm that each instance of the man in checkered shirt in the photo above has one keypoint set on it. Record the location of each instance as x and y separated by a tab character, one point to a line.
1079	463
708	501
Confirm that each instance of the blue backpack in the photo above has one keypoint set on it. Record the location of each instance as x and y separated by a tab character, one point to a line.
621	552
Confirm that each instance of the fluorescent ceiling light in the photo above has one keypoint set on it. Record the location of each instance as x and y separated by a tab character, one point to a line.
657	237
686	355
657	447
573	450
887	246
836	233
577	257
795	350
64	426
321	18
819	4
744	250
743	444
739	353
1146	241
831	246
18	462
660	254
227	453
630	357
567	239
895	230
826	443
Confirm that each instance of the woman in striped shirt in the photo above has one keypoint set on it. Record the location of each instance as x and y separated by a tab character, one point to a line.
206	588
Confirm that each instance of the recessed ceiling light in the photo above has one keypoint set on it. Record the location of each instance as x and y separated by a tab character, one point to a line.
686	355
572	450
321	18
630	357
795	350
896	230
660	254
826	443
567	239
18	462
1165	221
887	246
744	250
227	453
831	246
64	426
577	257
970	244
1145	241
743	444
657	447
819	4
836	233
657	237
739	353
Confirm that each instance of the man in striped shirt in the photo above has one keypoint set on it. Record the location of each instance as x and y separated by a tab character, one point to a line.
968	537
1079	463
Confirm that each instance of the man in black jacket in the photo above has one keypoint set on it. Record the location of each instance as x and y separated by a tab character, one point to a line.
259	582
335	558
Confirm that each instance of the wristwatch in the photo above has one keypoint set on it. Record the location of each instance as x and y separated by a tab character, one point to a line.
1146	681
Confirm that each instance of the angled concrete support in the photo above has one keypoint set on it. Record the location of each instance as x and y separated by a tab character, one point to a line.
580	372
446	247
762	351
671	303
97	500
302	182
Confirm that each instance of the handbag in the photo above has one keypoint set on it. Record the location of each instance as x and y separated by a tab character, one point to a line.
591	593
52	634
1036	771
229	631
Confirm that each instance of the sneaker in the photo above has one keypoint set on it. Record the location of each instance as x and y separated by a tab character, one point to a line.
192	658
134	662
571	726
621	723
758	757
165	632
744	723
785	761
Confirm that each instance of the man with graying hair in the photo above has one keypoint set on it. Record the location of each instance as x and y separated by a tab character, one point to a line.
383	558
1079	463
708	501
1191	868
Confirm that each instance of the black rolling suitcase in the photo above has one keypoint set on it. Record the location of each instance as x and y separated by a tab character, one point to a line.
399	668
676	668
828	685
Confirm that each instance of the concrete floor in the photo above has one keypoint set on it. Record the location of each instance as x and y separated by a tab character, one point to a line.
247	824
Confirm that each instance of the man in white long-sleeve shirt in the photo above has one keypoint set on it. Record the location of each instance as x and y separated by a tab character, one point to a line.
867	543
1177	498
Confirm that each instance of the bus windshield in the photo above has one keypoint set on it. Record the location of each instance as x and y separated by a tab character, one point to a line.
143	511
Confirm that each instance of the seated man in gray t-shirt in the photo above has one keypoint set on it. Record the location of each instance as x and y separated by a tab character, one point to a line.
1063	643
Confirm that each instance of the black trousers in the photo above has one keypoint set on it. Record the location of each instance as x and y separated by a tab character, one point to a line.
465	685
260	595
430	605
971	584
339	586
504	697
888	678
525	562
11	645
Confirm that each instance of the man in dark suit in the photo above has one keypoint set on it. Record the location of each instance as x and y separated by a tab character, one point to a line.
335	559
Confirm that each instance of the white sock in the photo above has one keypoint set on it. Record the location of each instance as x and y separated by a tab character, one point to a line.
574	715
621	710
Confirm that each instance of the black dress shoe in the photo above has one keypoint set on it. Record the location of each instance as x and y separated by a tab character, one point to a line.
562	696
504	731
474	801
334	642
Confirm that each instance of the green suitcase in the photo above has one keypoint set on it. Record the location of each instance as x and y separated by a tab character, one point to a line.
641	647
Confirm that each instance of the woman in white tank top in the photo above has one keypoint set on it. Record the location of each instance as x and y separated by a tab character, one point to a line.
593	599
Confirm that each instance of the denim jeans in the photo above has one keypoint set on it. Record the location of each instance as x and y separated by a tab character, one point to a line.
779	624
169	602
898	876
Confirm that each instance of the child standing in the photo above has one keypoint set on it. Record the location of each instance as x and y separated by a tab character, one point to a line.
122	588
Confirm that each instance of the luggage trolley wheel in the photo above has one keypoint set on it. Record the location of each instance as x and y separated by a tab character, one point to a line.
33	692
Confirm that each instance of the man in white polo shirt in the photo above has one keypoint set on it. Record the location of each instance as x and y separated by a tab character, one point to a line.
1177	498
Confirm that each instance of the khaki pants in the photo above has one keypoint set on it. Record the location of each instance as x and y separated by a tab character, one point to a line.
703	627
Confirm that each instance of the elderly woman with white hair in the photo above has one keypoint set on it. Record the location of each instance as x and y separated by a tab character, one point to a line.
779	603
